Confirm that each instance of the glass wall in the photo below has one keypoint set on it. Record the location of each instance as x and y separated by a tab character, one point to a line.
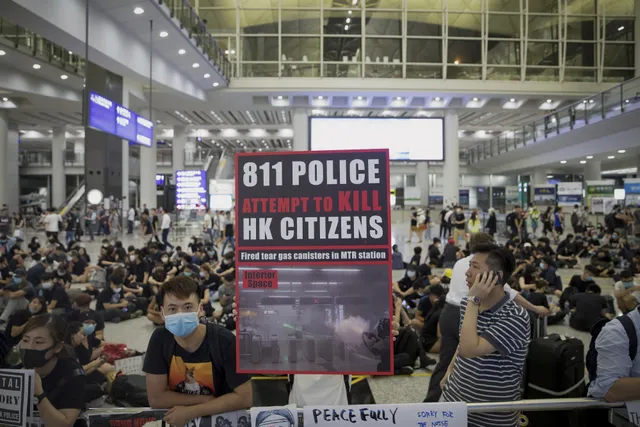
540	40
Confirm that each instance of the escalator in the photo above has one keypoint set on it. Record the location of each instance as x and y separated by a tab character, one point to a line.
72	200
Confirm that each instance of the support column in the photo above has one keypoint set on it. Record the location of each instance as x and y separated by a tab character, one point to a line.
125	197
148	169
491	190
58	182
637	31
300	124
451	170
4	144
422	182
177	148
592	170
538	177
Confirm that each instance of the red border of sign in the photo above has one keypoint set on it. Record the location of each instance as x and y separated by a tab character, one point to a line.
388	262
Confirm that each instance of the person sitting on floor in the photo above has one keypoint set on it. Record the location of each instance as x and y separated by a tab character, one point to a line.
587	308
603	264
434	253
626	291
430	332
397	262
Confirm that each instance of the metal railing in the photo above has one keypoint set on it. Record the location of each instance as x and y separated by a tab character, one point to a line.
34	158
191	22
601	106
29	42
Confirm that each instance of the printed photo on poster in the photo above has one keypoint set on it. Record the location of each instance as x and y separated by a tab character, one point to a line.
313	262
274	416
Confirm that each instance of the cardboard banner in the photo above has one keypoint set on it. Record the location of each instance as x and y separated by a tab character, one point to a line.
313	263
451	414
544	195
274	416
16	397
569	193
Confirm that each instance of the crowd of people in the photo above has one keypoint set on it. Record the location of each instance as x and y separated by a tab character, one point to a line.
477	313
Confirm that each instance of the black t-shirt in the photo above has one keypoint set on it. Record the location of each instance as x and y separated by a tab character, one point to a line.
405	283
449	254
588	308
228	229
109	297
139	270
434	252
83	354
460	217
79	267
147	227
538	299
35	273
198	377
510	219
18	318
155	221
578	283
415	259
65	376
429	331
58	294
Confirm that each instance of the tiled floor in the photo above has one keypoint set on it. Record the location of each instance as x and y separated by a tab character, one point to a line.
135	333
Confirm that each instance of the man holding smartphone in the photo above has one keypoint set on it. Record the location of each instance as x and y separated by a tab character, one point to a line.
494	337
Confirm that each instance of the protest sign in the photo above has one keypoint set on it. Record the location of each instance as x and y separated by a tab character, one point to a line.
269	416
313	263
452	414
154	418
16	396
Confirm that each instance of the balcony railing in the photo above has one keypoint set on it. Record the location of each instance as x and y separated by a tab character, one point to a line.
601	106
29	42
34	158
190	21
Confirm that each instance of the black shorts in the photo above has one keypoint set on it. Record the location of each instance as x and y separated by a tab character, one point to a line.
414	223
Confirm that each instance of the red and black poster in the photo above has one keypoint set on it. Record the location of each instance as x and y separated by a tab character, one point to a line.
313	262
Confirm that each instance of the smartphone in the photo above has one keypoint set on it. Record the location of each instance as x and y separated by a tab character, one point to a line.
500	275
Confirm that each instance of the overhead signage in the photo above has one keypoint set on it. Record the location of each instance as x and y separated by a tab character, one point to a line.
569	193
544	194
159	179
16	391
463	197
191	189
312	250
450	414
107	116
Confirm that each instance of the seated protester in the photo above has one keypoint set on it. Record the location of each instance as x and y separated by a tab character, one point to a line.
538	297
154	313
5	273
194	244
566	256
16	261
544	248
618	374
171	383
19	319
626	291
37	270
226	293
403	288
198	255
16	295
62	275
58	255
91	320
587	308
434	252
53	290
417	256
548	274
430	334
603	264
112	304
450	255
93	362
193	272
79	271
59	384
119	253
154	253
494	337
106	259
184	261
34	245
176	255
406	347
168	266
526	275
527	253
581	281
157	277
139	270
82	253
397	261
210	256
209	278
227	265
419	290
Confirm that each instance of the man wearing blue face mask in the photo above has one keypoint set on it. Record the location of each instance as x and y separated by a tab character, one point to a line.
16	295
191	367
54	293
626	291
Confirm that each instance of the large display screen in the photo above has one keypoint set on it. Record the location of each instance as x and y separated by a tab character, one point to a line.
107	116
406	139
191	189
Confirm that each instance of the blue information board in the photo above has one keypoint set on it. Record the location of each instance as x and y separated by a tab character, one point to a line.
107	116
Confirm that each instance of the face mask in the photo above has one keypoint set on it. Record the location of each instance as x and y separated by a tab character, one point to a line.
116	290
88	328
411	274
33	310
47	285
17	280
212	253
202	274
628	285
34	358
61	272
588	279
105	245
168	250
69	258
48	269
187	273
165	260
193	241
542	266
132	258
181	324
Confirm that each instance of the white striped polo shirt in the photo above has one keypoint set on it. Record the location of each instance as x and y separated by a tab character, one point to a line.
497	376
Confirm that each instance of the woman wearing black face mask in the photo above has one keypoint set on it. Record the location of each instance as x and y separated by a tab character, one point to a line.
59	385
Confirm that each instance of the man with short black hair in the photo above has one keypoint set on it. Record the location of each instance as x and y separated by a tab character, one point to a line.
581	281
191	367
587	308
494	337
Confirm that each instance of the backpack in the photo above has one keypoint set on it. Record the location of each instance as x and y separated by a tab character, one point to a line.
510	220
592	354
130	390
215	354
